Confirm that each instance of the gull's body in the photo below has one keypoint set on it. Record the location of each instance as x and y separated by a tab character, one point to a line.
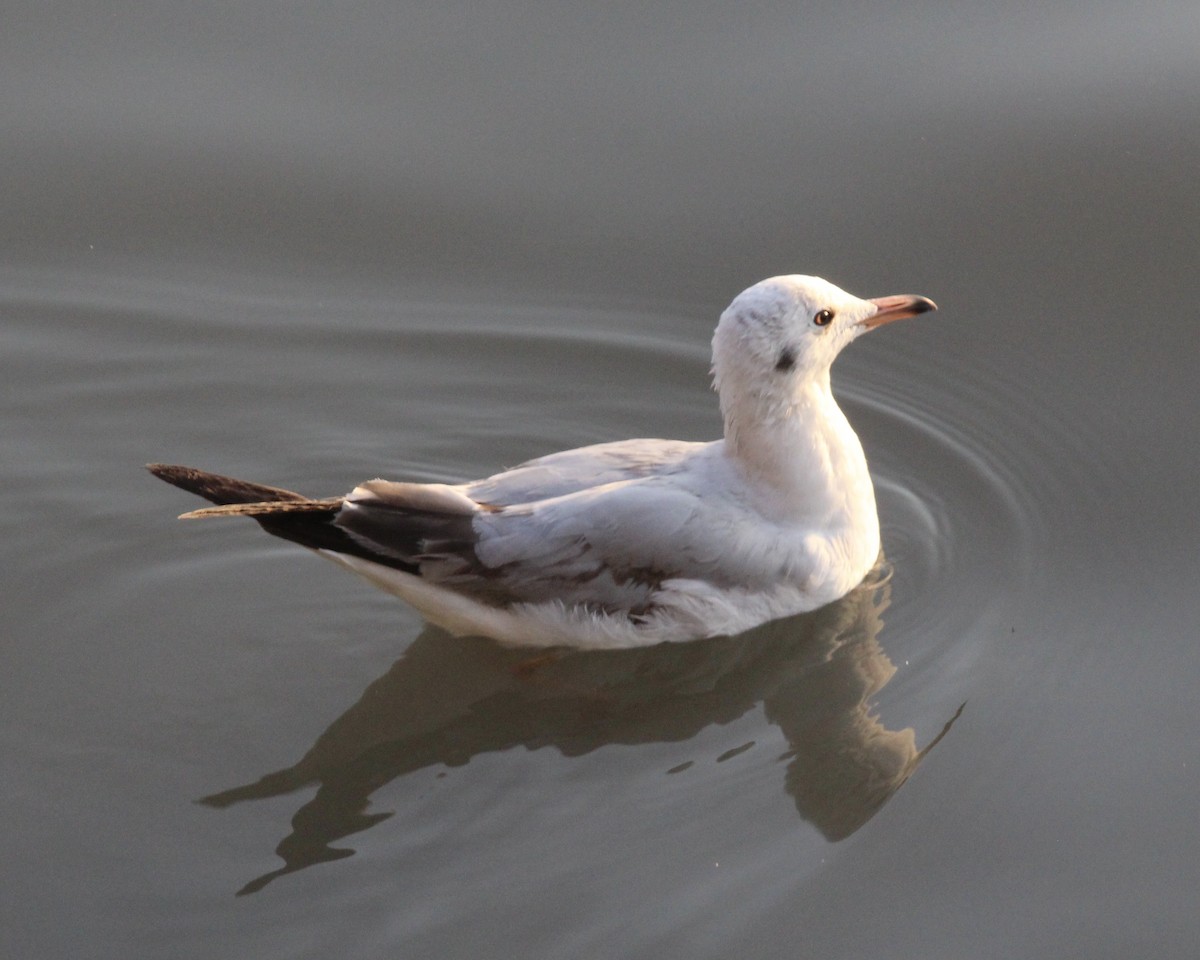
640	541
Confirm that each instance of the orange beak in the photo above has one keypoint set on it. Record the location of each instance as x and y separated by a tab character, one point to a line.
897	308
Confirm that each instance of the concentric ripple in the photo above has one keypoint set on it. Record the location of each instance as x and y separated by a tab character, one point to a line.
317	394
970	470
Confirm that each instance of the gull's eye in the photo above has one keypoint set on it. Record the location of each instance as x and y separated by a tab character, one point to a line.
823	318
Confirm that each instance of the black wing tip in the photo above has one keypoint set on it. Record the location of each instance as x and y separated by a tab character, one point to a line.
164	471
282	513
217	488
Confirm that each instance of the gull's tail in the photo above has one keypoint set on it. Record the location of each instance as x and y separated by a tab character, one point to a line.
280	512
222	490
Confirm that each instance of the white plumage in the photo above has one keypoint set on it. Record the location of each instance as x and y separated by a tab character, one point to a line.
641	541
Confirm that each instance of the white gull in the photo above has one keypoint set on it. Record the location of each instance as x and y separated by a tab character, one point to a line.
640	541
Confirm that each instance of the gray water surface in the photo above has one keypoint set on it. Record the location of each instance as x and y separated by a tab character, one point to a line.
310	245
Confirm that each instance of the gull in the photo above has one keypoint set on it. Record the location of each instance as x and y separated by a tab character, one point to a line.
635	542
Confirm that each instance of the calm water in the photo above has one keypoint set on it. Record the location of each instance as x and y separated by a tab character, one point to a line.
310	246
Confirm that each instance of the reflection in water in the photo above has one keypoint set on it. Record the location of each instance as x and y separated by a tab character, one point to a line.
448	699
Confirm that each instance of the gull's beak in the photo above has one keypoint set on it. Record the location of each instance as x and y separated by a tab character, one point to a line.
896	308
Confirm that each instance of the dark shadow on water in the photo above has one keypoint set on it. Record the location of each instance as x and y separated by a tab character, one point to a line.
448	699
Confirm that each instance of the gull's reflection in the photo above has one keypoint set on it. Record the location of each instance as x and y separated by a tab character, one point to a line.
448	699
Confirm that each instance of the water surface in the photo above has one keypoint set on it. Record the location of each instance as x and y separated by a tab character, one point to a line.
316	249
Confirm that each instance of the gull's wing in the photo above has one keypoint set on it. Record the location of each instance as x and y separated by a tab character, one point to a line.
652	512
609	547
584	468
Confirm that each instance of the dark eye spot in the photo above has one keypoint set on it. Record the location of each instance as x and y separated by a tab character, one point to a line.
823	318
787	360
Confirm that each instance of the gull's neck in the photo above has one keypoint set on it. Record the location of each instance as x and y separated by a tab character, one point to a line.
799	454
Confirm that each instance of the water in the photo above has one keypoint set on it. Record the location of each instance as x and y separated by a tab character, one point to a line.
309	247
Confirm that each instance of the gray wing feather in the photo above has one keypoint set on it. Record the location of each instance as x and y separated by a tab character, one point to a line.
572	471
608	544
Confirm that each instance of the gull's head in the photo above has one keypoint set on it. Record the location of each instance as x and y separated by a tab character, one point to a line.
788	329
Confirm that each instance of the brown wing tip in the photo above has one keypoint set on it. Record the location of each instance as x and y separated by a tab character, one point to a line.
167	471
227	510
220	489
264	508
